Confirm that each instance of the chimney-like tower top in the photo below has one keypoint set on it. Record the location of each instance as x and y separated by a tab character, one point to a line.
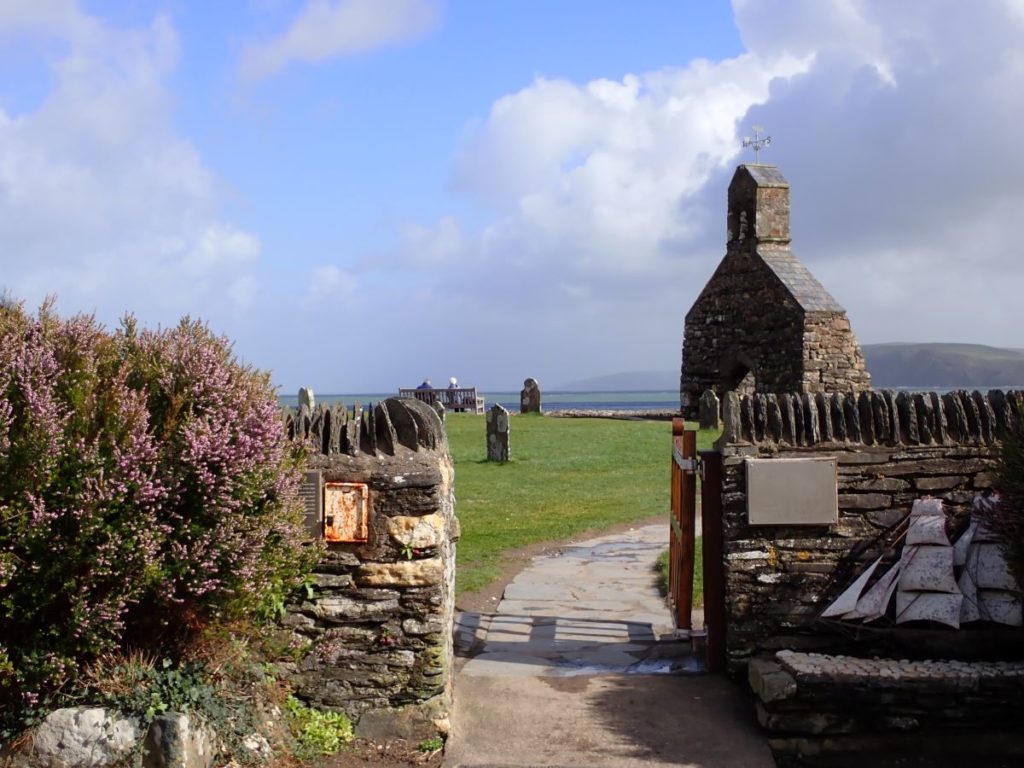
758	206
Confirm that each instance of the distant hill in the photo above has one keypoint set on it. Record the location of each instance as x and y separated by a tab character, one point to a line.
944	366
630	381
896	364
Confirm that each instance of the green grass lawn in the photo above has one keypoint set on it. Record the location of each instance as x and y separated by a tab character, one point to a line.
566	477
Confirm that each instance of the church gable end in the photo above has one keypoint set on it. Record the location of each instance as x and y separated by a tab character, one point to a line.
763	322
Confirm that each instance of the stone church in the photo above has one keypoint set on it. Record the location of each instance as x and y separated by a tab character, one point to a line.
763	323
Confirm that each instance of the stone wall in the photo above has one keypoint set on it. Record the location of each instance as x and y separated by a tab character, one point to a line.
816	706
891	448
833	361
373	638
719	347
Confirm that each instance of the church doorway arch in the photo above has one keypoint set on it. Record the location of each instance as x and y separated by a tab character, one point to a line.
737	374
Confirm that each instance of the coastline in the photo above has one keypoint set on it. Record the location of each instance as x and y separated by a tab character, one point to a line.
661	414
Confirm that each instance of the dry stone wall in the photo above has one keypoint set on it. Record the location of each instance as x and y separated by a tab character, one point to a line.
891	448
373	637
818	706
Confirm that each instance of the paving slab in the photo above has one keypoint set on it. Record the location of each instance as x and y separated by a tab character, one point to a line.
580	665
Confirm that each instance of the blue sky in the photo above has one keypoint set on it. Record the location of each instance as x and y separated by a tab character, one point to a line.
361	193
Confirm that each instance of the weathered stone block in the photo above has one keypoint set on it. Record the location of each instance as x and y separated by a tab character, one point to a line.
80	736
769	681
413	573
175	741
425	532
942	483
334	608
864	501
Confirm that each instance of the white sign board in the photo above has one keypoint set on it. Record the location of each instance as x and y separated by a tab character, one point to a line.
792	491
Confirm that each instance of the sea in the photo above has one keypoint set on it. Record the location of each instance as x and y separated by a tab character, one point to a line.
550	401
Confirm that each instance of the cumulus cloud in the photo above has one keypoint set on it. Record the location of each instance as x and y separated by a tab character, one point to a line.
606	200
598	186
325	29
101	201
905	176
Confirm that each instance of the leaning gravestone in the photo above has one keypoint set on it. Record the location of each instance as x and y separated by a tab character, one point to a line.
306	398
708	410
497	434
438	409
529	397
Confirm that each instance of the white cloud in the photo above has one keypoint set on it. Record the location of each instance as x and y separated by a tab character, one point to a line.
592	183
330	282
432	248
605	201
325	29
905	182
217	247
101	201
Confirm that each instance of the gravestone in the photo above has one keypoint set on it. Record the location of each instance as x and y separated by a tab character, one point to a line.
529	397
708	410
306	398
497	434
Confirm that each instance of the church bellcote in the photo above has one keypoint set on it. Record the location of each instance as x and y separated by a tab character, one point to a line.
758	206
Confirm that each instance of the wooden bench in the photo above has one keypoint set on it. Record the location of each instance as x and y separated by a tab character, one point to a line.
452	398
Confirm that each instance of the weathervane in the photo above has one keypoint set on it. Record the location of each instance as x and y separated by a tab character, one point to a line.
758	142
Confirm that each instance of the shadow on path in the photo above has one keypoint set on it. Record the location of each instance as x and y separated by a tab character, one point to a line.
579	666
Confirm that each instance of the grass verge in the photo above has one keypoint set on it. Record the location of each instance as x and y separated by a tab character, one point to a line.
662	567
566	477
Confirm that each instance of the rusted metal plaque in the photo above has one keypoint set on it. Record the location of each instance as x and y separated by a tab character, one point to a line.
311	491
346	508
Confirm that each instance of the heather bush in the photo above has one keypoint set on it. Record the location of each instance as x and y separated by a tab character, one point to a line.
145	488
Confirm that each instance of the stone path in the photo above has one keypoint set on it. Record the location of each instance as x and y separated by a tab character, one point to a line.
580	666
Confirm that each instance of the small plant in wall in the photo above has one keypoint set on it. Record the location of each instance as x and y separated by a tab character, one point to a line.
317	732
409	552
433	744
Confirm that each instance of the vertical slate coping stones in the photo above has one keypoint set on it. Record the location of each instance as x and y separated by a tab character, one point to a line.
497	434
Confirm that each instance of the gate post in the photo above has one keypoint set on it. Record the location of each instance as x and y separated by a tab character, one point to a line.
681	538
714	558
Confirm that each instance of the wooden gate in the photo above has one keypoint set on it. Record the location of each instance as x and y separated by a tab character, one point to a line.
684	515
682	540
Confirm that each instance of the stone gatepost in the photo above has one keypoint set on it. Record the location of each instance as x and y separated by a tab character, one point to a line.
708	410
306	398
374	638
497	434
529	397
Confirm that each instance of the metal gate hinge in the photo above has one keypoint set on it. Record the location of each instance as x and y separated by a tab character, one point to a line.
687	464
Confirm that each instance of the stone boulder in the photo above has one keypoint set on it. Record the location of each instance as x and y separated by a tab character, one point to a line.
174	741
77	737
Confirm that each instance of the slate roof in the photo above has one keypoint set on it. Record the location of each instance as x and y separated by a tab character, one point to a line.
802	285
766	175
